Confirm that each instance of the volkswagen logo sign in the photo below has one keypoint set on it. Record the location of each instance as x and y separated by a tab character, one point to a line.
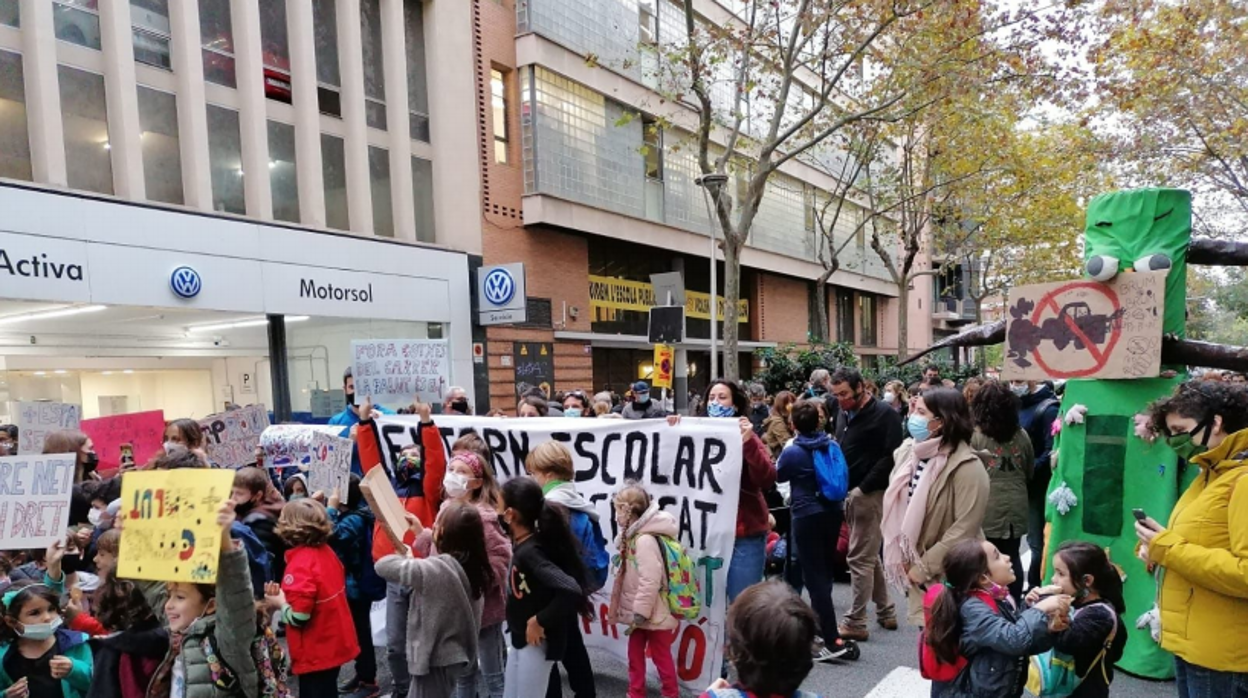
185	282
499	287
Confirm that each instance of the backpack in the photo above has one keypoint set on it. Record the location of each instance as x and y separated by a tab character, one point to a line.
682	590
593	548
930	666
831	472
1051	673
272	664
370	586
259	560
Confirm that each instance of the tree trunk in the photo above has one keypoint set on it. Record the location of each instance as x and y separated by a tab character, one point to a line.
981	358
820	332
903	314
732	293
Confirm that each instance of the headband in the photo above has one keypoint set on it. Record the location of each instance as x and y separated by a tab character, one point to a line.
472	460
9	595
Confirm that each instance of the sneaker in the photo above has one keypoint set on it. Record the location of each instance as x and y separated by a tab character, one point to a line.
855	634
349	685
841	647
358	689
819	653
888	623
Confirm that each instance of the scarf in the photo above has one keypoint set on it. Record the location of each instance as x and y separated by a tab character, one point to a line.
903	521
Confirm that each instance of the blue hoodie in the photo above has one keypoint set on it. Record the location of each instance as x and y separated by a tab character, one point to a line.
797	465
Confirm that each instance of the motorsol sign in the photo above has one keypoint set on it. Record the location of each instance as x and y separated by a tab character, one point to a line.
309	288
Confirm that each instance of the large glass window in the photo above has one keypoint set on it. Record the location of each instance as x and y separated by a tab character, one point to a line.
379	178
275	50
422	192
325	31
77	22
374	73
10	13
150	23
85	119
334	174
225	160
282	172
218	38
498	110
162	161
867	309
14	138
417	86
845	316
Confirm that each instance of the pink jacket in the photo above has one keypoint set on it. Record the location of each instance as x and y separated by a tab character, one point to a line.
641	572
497	547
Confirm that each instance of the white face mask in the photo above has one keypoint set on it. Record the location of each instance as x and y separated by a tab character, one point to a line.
40	631
889	397
1020	390
172	447
455	484
94	516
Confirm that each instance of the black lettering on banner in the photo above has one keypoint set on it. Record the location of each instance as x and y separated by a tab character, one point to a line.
497	443
707	469
686	523
706	508
634	468
684	459
655	476
519	442
582	439
606	448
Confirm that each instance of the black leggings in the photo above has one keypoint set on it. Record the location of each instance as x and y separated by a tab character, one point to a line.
576	663
319	684
815	536
366	663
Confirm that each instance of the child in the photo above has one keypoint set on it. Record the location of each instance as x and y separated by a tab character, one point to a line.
351	541
548	587
974	617
448	592
551	466
637	597
211	629
133	645
1082	570
312	600
770	630
296	487
39	658
251	487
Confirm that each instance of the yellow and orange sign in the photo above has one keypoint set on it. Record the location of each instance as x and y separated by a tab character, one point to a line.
664	365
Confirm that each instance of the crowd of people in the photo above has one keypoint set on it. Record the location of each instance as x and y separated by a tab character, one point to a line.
933	487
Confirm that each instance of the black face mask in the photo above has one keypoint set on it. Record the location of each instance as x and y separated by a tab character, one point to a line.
351	399
90	463
71	564
460	406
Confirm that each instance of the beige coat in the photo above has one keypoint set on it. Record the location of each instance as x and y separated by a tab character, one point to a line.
955	512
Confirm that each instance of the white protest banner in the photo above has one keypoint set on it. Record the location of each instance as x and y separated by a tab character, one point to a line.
395	371
693	470
34	499
319	451
35	420
231	437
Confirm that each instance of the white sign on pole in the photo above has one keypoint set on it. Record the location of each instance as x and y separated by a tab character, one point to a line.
35	420
34	499
394	372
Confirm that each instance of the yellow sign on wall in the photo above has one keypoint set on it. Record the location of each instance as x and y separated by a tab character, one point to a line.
612	294
170	532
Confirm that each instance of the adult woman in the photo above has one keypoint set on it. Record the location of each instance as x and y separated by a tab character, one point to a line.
970	388
936	496
76	442
725	398
776	430
1010	460
897	397
532	407
576	404
1203	597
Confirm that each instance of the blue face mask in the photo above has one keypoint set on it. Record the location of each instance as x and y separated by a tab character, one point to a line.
40	631
572	412
917	424
717	410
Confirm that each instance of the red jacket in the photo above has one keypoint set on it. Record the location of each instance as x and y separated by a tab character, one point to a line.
421	493
315	584
758	474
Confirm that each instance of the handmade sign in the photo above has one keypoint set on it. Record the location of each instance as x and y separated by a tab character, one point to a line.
318	451
1086	329
385	504
170	531
144	431
693	470
35	420
396	371
34	499
231	437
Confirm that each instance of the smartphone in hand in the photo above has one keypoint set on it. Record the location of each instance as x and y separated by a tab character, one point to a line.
1139	514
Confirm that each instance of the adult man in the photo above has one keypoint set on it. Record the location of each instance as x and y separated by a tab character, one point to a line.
868	432
932	379
642	407
349	417
1036	417
758	407
455	401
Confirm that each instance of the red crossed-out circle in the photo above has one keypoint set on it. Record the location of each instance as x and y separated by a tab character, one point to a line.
1100	356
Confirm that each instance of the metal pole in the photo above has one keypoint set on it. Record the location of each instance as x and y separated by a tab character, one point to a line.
703	181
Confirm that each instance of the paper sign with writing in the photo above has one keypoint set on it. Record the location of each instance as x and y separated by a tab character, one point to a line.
34	499
35	420
693	470
1086	329
231	437
144	431
318	451
396	371
170	530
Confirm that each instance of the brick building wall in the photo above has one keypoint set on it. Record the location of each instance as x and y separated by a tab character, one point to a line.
783	308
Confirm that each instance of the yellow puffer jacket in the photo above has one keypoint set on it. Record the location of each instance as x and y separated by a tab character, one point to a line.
1204	553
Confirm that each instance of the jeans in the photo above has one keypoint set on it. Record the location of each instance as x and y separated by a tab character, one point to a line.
1198	682
1037	491
1011	546
866	570
749	556
528	672
438	683
659	643
939	688
816	536
366	663
319	684
492	658
398	599
576	663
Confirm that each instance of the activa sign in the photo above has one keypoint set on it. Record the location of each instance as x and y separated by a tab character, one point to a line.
43	269
39	266
308	288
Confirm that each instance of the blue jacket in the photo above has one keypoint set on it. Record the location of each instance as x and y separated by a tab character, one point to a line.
797	466
1036	417
350	540
997	646
70	644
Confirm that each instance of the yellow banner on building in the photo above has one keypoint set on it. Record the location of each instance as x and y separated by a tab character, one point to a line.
664	365
170	531
610	294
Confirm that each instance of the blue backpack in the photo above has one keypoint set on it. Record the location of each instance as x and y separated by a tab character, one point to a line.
593	548
259	561
831	472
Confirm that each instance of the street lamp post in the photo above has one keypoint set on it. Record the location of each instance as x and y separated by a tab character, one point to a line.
712	221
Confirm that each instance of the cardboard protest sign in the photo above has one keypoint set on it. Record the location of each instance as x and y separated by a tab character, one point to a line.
396	371
34	499
35	420
693	470
1086	329
144	431
384	501
231	437
170	530
318	451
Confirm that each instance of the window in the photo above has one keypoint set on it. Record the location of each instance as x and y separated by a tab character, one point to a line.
647	23
379	178
808	206
422	192
149	21
14	139
325	38
77	22
282	172
868	315
225	160
652	148
85	119
10	13
275	50
498	105
218	40
162	161
845	316
417	86
334	173
374	64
